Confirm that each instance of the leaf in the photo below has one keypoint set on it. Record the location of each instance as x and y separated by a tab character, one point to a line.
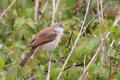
118	59
11	74
28	32
30	22
2	75
2	63
92	24
18	23
92	43
75	33
14	12
25	70
112	53
106	21
118	75
113	28
102	28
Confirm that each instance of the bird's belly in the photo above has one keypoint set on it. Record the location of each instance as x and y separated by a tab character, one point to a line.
51	45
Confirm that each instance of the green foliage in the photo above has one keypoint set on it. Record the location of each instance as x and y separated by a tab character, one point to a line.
19	22
2	63
17	28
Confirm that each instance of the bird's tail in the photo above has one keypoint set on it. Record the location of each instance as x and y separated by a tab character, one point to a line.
26	59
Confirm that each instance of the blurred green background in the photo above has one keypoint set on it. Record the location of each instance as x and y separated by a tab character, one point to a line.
17	28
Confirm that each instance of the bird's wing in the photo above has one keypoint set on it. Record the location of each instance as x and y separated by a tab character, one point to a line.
45	36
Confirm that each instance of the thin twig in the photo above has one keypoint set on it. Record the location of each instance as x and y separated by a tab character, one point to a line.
101	22
114	72
3	13
69	39
87	26
98	10
96	54
90	21
58	1
36	10
71	34
75	41
103	54
93	59
69	67
84	61
53	15
49	68
43	10
91	62
111	45
117	20
117	6
101	2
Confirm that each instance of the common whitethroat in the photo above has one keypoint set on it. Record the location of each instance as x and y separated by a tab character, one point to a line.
46	40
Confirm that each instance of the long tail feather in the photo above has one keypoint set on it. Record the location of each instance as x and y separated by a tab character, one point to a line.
26	59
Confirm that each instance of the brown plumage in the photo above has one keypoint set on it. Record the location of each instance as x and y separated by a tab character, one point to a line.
45	40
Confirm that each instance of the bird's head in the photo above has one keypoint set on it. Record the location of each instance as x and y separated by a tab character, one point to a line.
58	25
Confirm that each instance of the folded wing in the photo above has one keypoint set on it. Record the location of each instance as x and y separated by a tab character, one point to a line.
45	36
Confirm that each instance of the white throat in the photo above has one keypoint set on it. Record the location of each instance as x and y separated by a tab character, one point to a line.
59	29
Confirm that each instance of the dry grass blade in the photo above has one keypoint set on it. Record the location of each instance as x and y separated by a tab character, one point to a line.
43	10
36	10
3	13
58	1
53	15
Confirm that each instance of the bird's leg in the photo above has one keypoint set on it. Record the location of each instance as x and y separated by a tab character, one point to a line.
49	67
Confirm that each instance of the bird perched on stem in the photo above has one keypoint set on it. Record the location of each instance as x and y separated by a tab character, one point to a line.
46	40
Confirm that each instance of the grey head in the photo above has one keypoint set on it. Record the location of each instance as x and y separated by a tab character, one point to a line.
58	25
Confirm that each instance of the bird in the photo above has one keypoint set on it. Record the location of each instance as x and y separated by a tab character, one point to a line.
46	40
